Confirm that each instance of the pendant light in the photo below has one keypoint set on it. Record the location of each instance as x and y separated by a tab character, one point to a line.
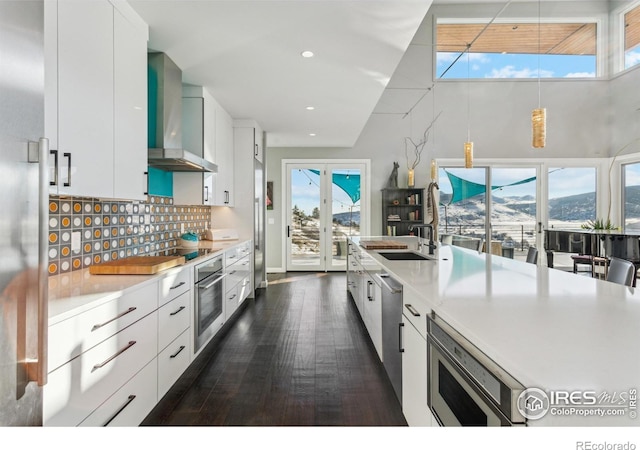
539	115
468	146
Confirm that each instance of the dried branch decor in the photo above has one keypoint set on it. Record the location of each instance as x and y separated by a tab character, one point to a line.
419	146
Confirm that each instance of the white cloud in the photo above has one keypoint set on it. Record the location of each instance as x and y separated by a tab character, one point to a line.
512	72
580	75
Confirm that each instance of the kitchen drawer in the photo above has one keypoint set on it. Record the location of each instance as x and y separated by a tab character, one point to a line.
173	361
235	254
77	388
131	403
174	284
71	337
244	288
237	272
244	249
231	302
416	311
173	319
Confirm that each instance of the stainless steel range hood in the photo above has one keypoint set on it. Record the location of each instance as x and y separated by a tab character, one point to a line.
165	120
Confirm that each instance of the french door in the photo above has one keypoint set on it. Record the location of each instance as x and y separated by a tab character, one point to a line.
325	203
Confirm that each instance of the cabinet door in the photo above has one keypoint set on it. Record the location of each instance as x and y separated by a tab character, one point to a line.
373	312
224	158
130	119
414	377
85	98
258	147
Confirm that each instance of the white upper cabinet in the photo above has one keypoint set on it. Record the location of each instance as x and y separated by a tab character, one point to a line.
130	102
95	72
224	179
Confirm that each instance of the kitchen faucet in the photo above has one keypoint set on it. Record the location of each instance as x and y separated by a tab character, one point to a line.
432	245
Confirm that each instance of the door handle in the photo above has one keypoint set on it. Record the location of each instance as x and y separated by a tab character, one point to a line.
206	196
400	341
288	231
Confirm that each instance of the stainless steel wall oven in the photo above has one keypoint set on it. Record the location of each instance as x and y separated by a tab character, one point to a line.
209	300
465	387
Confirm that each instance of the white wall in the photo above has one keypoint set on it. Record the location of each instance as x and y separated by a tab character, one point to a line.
586	118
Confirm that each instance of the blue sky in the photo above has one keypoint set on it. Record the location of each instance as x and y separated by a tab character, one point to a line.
497	65
305	192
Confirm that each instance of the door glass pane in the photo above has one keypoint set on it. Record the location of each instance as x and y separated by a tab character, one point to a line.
462	207
632	196
345	211
305	217
513	211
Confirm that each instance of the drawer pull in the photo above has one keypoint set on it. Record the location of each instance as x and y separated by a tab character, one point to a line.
100	325
232	272
232	297
120	352
412	310
176	312
129	400
177	285
182	347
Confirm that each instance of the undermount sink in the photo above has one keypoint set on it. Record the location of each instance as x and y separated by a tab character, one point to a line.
405	256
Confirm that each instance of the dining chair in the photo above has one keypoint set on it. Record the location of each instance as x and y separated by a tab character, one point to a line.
532	255
621	271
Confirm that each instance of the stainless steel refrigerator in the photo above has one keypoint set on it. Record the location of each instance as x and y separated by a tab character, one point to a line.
23	213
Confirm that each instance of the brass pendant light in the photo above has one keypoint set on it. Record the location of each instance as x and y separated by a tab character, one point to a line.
539	115
468	146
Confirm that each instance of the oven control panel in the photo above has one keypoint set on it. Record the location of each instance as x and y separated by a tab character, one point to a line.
470	364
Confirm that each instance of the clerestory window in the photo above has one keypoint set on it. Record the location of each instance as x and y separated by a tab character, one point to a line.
632	37
516	49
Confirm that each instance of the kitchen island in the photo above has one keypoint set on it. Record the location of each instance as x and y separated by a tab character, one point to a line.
552	330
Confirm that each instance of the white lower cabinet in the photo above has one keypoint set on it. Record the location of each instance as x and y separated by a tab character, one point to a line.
77	388
414	377
131	403
173	361
372	305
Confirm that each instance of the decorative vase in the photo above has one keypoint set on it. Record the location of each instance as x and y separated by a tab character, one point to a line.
410	178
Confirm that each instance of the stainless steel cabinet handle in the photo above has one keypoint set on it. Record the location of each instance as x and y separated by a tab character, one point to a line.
206	197
177	285
115	355
182	347
100	325
146	174
226	197
129	400
412	310
232	297
232	272
177	311
369	296
68	156
256	149
400	340
55	168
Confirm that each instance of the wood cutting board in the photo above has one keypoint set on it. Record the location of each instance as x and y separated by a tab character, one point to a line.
383	244
137	265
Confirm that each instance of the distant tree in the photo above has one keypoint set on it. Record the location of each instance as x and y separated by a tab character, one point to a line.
315	213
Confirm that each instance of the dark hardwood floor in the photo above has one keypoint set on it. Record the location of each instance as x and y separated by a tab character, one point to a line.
298	355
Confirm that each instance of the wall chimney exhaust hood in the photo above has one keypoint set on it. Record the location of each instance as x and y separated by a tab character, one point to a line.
165	120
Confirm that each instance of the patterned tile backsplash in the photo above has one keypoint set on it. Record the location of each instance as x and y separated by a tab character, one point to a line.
108	230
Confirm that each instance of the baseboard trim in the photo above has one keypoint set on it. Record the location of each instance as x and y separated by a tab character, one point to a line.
275	270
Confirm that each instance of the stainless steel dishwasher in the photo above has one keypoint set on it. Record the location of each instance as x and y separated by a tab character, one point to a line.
392	330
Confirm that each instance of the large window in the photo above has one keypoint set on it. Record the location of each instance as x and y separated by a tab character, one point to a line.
632	37
572	196
515	50
631	173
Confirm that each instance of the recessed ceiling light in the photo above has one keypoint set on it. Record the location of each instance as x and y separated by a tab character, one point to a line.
310	108
312	134
307	54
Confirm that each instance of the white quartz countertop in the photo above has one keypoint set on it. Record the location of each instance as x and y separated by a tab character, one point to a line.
549	329
77	291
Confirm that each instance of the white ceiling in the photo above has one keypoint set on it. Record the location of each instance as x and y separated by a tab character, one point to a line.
247	53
